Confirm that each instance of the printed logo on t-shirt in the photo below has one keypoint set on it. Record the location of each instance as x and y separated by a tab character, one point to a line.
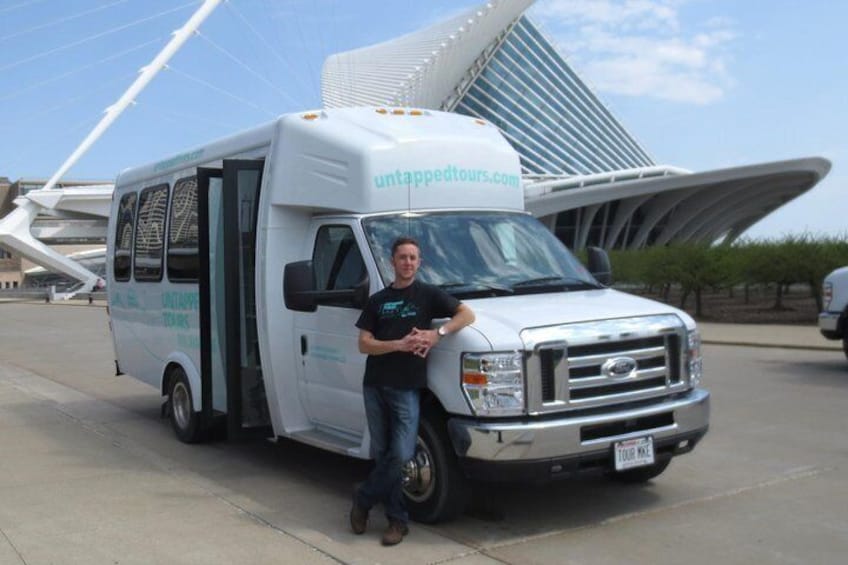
398	309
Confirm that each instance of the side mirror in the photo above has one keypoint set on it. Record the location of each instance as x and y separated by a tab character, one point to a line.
599	265
299	286
361	293
301	295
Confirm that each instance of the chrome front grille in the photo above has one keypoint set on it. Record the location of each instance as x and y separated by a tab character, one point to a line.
602	363
653	369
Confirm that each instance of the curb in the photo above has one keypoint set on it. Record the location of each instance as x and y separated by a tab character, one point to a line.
75	303
771	345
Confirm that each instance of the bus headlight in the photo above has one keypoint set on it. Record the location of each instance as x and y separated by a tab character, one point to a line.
493	383
694	362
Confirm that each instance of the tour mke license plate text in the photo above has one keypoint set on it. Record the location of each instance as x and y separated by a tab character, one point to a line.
632	453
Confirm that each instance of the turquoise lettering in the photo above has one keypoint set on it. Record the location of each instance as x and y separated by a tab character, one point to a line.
175	320
448	174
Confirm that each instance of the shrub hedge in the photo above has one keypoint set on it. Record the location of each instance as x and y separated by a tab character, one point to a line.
694	268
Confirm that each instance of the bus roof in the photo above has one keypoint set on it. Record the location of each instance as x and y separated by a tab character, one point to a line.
366	160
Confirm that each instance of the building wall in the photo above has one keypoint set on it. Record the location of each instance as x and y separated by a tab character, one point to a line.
554	121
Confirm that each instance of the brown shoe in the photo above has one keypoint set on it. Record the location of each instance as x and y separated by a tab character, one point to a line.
358	519
394	533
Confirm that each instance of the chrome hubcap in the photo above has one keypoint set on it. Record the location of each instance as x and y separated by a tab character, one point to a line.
181	406
418	474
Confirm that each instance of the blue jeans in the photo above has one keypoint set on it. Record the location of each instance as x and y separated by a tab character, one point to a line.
393	424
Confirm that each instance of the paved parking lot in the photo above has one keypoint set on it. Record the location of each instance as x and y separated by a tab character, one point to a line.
90	474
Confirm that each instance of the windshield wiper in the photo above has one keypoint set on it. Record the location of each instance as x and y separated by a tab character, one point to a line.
474	287
572	283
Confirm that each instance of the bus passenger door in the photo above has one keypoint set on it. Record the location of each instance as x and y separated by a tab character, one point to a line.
230	363
331	364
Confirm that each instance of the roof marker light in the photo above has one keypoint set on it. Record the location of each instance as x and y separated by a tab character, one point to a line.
310	116
382	111
416	113
398	112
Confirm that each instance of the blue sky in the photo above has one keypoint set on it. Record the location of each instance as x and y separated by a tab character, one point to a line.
702	84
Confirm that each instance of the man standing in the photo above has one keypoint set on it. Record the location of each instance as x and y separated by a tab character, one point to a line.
394	333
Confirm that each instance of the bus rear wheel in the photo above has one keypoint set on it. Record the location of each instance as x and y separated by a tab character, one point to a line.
184	419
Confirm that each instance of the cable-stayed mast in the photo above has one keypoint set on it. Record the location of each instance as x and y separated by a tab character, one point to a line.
147	74
15	227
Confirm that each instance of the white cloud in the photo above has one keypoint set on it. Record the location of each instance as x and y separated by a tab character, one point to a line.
645	14
641	47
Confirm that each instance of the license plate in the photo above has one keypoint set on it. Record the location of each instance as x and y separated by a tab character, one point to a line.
633	453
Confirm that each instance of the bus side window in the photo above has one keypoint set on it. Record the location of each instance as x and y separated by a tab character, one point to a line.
122	260
149	235
183	258
337	261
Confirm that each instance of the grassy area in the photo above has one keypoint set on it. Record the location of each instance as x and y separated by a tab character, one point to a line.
798	305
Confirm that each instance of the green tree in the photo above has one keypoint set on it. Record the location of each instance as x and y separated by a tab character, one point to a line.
770	263
819	257
696	267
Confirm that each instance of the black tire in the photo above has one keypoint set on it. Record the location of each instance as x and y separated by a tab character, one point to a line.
845	344
642	474
185	421
436	489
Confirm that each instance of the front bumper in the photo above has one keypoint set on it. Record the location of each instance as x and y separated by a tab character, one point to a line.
544	449
829	324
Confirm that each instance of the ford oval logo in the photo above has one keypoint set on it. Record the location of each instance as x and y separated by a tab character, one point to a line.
618	367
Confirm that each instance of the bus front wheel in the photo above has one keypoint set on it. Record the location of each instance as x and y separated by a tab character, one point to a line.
184	419
434	486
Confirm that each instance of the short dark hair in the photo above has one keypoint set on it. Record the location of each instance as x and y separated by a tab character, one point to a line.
404	240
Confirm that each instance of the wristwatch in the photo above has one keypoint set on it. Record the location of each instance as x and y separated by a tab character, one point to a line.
442	331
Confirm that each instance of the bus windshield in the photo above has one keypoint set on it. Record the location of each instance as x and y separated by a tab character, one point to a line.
482	253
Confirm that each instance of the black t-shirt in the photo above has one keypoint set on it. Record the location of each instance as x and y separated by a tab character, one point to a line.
391	314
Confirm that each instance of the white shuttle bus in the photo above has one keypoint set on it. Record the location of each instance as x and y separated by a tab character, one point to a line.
236	272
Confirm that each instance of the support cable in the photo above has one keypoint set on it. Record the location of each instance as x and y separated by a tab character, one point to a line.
90	38
244	65
219	90
61	20
21	5
66	133
68	101
72	72
279	56
180	117
315	86
147	74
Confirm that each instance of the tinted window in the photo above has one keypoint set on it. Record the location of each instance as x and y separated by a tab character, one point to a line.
149	237
337	261
183	258
124	236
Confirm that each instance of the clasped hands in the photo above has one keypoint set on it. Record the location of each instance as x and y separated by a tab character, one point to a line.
419	342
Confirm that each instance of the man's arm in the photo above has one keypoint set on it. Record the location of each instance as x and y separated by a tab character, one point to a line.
370	345
463	316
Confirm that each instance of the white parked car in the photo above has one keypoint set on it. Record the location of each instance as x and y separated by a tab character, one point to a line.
833	320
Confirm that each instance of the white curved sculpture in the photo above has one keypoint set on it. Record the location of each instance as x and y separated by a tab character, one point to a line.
421	68
15	232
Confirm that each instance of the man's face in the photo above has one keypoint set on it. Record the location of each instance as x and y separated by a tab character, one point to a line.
406	261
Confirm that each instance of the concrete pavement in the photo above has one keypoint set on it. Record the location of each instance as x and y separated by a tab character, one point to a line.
767	335
88	473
